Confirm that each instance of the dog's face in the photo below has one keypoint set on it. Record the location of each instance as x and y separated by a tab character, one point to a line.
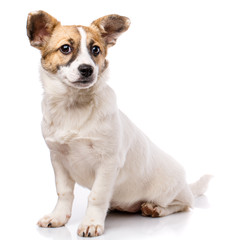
74	54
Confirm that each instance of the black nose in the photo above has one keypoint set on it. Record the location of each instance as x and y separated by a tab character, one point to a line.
85	70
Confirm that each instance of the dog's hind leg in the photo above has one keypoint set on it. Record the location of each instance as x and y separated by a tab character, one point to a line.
153	210
182	202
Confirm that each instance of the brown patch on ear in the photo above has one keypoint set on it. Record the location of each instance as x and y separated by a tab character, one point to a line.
40	26
111	27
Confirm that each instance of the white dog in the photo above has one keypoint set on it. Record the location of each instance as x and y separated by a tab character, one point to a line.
91	142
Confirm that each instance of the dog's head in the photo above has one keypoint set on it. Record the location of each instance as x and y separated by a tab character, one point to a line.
74	54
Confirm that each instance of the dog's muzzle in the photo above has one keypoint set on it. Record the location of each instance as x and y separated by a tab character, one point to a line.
86	75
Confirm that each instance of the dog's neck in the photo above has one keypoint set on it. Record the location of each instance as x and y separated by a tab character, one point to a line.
68	108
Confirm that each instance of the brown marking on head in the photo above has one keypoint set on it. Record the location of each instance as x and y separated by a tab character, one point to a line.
95	39
52	57
48	35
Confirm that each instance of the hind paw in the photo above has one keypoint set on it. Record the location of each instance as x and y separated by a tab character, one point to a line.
152	210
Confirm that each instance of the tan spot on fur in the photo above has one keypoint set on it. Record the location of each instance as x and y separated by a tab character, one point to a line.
96	230
52	58
90	144
61	194
68	216
87	230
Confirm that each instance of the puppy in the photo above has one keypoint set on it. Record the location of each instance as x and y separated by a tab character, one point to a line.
91	142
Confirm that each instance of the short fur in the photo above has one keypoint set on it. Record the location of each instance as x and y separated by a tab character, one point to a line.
91	142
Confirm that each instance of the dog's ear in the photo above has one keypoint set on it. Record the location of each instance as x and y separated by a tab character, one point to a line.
40	26
111	27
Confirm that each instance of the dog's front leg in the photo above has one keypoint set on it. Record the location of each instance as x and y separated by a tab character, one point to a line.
98	202
64	186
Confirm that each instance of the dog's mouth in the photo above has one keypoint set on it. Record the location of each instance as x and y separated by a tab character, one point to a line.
83	82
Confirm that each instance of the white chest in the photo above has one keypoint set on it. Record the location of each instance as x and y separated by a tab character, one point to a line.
80	158
80	137
74	143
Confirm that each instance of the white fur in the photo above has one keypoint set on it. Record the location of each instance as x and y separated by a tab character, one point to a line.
95	145
84	57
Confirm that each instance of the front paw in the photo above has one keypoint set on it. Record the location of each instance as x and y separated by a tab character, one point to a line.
90	230
53	220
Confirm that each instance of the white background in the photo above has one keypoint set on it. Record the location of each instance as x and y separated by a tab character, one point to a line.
176	75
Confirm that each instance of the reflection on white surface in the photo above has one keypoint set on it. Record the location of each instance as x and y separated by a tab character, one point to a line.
61	233
142	227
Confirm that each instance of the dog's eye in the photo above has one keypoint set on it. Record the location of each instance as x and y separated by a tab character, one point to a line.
95	50
65	49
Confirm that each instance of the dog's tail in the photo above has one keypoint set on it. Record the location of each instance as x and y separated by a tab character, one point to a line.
200	187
